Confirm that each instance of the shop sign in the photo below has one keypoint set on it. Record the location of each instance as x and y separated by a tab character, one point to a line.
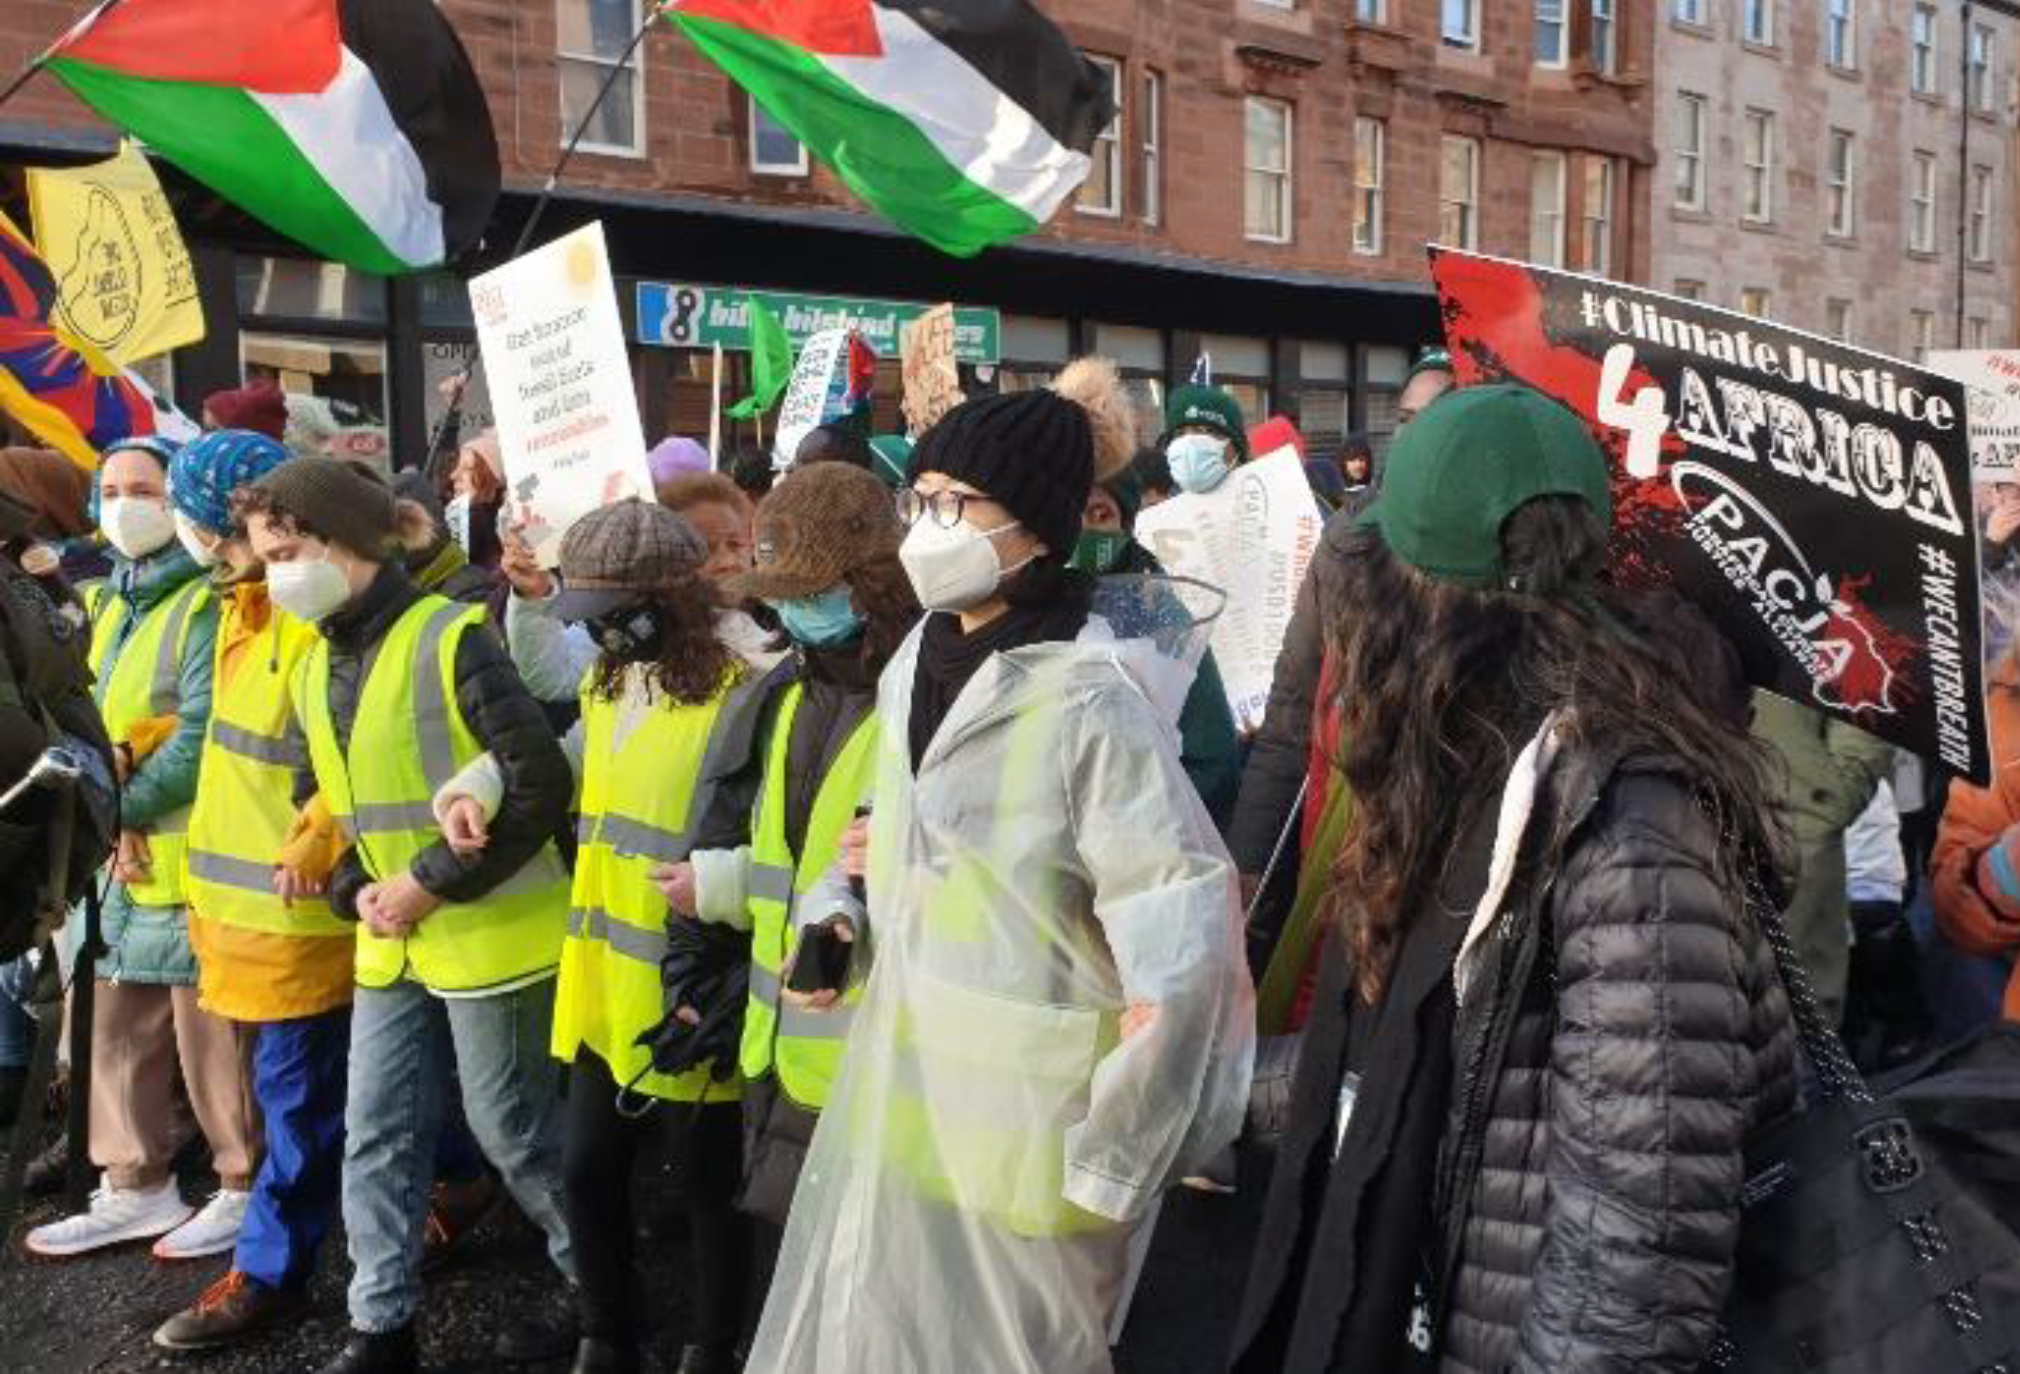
680	315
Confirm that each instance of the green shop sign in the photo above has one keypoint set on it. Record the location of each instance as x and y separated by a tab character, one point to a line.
677	315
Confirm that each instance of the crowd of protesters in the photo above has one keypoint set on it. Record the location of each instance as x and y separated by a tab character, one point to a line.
876	843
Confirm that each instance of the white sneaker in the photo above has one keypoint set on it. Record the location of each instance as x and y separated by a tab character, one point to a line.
212	1231
116	1215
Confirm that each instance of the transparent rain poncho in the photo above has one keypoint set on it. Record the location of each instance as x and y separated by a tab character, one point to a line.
995	1133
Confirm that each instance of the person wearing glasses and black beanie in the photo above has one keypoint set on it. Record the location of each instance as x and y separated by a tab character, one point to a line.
1058	1020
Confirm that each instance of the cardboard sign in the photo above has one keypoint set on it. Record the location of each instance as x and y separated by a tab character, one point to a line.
1992	381
932	377
1813	498
560	383
1253	537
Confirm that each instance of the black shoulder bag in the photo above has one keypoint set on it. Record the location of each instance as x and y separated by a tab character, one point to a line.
1868	1244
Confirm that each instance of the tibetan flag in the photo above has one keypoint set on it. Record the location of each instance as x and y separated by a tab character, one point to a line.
355	127
70	395
964	122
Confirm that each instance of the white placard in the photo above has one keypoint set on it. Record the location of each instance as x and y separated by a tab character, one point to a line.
809	393
560	382
1993	376
1253	537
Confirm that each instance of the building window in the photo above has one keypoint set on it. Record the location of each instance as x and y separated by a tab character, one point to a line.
1757	22
1689	151
1370	11
1980	332
773	149
1599	215
1922	77
1838	320
592	36
1370	175
1602	36
1753	300
1268	166
1980	69
1101	193
1553	35
1922	203
1760	167
1841	33
1150	121
1980	234
1461	23
1546	209
1838	176
1687	11
1459	192
1689	290
1922	333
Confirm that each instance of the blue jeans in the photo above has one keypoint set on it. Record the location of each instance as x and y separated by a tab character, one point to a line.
299	1071
404	1044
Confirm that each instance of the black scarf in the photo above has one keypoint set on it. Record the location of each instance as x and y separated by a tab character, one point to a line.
948	658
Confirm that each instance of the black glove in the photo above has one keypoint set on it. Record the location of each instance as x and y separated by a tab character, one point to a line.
706	971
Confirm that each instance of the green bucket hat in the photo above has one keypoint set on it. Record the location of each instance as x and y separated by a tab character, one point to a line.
1458	471
1208	407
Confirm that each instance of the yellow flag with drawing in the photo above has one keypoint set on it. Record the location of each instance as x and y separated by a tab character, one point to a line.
123	277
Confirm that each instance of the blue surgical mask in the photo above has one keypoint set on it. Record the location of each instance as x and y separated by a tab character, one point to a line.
822	621
1198	462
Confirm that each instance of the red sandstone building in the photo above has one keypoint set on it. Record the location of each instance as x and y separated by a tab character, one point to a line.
1264	197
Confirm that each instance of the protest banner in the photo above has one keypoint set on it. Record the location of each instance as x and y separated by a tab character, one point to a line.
560	380
932	377
1253	537
123	276
1812	497
1991	378
831	382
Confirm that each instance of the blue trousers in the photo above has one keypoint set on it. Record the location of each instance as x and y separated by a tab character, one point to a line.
299	1068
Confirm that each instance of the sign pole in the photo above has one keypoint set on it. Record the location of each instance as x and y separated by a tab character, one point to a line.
715	409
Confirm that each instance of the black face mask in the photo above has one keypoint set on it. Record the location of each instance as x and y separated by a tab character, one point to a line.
631	634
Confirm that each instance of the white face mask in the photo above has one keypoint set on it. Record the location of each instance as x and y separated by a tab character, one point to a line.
192	541
136	525
308	589
456	519
1198	462
953	569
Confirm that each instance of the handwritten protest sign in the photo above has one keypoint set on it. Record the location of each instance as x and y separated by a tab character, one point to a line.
1991	380
561	387
1252	537
932	379
1814	498
832	381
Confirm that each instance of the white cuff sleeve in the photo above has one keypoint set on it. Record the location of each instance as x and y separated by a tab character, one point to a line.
722	886
481	779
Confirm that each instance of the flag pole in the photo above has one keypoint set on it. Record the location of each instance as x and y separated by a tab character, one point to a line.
432	462
41	59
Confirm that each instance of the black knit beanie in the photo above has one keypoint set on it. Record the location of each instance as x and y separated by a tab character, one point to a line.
1032	452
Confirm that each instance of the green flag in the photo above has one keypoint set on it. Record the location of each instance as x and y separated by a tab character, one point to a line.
771	363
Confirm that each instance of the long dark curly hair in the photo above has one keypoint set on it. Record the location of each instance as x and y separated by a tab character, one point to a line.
1439	687
693	662
882	593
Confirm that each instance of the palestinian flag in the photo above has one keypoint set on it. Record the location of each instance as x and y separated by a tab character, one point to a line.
356	127
965	122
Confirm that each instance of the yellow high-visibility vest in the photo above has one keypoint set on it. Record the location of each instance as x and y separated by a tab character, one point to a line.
409	738
245	805
643	796
804	1048
145	683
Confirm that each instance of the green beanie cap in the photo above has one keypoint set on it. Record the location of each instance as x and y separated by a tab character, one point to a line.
1208	407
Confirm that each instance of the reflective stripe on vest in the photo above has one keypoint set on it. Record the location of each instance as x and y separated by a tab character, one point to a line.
245	808
146	682
803	1048
663	770
408	738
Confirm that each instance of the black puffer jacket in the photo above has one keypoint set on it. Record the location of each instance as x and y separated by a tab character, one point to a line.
1633	1038
500	713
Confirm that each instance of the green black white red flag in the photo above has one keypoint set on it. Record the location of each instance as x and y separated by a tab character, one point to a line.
964	122
356	127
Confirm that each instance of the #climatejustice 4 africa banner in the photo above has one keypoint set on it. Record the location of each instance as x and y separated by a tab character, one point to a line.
1813	498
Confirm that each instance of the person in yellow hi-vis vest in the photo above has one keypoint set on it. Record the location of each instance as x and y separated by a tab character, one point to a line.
668	711
153	625
1058	1021
827	563
456	954
271	956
